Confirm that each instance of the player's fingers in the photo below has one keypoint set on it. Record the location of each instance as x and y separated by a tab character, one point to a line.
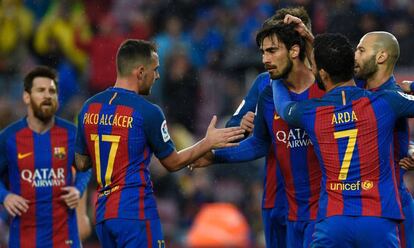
213	122
15	210
248	129
249	115
73	204
230	144
9	210
237	137
248	124
22	205
67	189
233	134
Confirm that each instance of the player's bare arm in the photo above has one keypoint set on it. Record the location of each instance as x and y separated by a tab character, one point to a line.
15	204
84	224
83	162
215	138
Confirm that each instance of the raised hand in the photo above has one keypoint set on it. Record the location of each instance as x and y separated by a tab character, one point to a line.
15	204
247	122
222	137
300	26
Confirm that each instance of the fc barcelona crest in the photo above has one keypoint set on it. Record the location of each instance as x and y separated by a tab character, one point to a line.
59	152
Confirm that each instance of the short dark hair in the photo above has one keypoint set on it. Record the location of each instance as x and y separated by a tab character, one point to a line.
335	54
39	71
280	14
132	52
285	33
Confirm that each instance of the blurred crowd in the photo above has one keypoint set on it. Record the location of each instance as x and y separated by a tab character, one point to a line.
208	58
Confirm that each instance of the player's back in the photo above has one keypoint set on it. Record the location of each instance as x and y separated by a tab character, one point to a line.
351	130
116	126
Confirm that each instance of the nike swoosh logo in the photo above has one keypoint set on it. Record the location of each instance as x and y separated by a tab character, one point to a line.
23	155
276	117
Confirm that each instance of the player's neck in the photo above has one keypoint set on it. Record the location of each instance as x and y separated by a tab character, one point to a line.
299	79
38	125
378	79
330	86
126	83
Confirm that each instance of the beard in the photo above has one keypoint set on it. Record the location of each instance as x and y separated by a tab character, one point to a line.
42	113
284	73
367	69
319	82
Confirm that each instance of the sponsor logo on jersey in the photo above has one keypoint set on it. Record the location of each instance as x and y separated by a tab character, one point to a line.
23	155
59	152
295	137
349	186
44	177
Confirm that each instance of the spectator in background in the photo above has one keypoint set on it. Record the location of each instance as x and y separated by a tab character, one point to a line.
16	27
57	33
343	18
55	42
101	50
403	30
173	36
181	81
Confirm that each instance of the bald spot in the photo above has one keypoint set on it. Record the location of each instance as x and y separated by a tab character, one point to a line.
388	42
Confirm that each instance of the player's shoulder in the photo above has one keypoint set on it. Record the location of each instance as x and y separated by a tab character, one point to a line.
267	94
12	128
264	76
65	124
262	80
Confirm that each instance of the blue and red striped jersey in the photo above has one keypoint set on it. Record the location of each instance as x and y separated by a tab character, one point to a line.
38	165
401	140
273	191
352	131
120	131
294	155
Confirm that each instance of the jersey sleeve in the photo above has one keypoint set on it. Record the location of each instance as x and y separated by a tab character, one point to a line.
401	103
254	147
80	145
249	149
289	110
249	102
82	180
156	132
3	167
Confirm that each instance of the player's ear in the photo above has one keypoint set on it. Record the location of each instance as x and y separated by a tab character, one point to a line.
26	97
139	71
294	51
382	57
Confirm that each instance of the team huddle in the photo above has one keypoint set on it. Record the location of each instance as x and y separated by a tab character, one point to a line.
331	121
